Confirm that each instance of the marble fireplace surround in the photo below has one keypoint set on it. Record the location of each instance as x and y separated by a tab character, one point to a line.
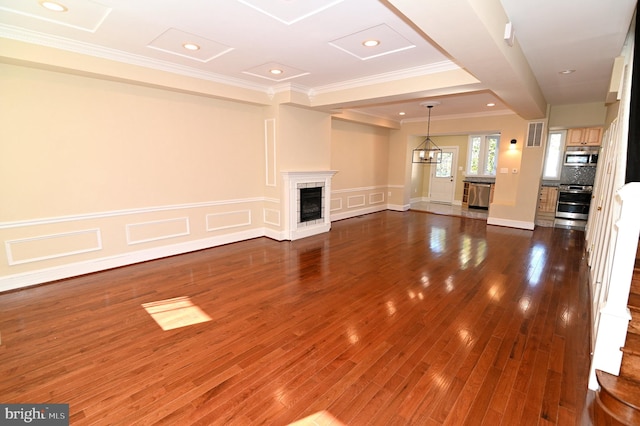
293	181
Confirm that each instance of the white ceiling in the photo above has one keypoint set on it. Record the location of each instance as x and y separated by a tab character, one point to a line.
318	45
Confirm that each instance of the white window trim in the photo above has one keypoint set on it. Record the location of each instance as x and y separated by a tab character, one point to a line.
563	141
484	153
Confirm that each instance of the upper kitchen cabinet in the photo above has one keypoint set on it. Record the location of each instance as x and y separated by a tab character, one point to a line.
586	136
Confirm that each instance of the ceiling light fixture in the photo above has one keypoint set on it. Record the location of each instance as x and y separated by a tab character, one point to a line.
371	43
427	152
276	71
53	6
491	104
191	46
565	72
401	113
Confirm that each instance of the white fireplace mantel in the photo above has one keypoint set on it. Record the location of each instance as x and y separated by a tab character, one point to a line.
292	180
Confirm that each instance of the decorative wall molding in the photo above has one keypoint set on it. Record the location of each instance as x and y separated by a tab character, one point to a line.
376	198
41	276
45	275
116	213
243	219
271	217
156	230
337	201
355	201
14	245
270	151
362	189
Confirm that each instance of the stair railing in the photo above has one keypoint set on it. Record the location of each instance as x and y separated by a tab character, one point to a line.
613	313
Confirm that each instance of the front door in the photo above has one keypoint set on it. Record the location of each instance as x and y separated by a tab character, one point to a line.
442	180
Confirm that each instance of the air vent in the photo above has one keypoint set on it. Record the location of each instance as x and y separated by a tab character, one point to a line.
534	137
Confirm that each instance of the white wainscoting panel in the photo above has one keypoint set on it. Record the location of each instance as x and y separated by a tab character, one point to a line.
145	232
376	198
226	220
271	217
355	201
42	247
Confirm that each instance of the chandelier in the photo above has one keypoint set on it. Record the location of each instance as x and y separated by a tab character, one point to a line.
427	152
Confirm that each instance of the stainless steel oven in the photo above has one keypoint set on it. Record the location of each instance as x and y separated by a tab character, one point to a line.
574	201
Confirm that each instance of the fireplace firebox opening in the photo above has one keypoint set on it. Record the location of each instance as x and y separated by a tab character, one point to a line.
310	204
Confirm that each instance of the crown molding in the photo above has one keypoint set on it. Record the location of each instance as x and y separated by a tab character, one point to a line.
61	43
461	116
387	77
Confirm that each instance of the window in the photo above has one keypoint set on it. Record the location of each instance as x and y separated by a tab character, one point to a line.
553	156
444	167
483	155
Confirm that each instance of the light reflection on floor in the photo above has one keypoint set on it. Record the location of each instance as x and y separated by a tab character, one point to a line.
175	313
321	418
449	210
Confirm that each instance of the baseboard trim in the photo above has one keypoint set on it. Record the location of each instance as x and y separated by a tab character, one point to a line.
511	223
399	207
357	212
27	279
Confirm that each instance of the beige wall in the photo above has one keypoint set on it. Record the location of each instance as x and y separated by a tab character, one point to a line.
94	170
581	115
303	140
73	145
359	152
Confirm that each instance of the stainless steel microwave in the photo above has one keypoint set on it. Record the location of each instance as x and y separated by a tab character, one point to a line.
581	157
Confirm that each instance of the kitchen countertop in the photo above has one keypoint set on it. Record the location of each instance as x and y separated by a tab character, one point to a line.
480	180
550	183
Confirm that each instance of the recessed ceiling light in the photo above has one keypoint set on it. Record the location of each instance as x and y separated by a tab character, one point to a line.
371	43
565	72
402	113
275	71
191	46
491	104
52	5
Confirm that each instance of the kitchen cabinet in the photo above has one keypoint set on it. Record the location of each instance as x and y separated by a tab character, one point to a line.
547	201
465	195
586	136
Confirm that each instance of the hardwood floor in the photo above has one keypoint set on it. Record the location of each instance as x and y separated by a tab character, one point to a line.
390	318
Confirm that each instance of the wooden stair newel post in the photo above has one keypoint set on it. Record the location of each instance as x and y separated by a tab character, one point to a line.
615	315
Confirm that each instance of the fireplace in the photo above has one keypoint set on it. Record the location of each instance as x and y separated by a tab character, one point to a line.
307	203
310	203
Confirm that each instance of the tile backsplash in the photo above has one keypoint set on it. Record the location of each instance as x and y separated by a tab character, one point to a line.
578	175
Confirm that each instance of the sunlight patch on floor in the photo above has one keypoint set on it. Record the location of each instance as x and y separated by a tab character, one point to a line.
175	313
321	418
